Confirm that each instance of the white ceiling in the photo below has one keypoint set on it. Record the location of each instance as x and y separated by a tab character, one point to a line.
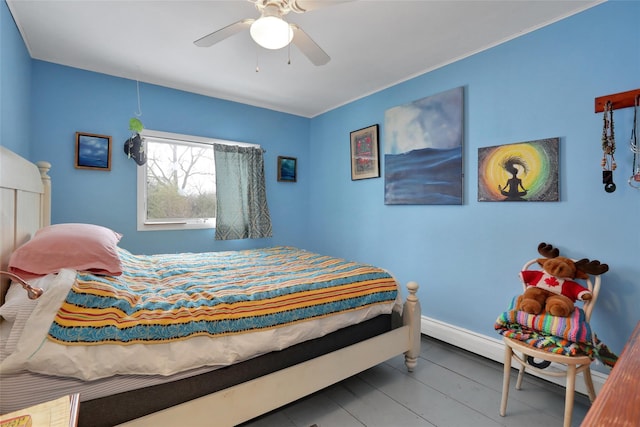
373	44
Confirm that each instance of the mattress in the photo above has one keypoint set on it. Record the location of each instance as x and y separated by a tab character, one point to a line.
110	401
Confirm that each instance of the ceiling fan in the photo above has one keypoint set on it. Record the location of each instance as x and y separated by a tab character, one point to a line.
271	31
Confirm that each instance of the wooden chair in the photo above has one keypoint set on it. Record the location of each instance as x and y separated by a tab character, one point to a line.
574	364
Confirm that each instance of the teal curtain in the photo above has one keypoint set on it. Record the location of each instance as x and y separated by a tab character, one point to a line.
242	210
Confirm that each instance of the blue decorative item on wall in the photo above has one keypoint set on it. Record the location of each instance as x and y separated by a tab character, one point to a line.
287	169
93	151
423	151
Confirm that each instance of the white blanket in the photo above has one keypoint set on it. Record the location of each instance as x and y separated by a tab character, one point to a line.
35	353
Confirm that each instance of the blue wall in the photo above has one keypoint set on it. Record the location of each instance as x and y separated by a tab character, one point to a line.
67	100
15	86
466	258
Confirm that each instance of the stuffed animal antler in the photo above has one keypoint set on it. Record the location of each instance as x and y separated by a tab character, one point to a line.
591	267
546	250
584	265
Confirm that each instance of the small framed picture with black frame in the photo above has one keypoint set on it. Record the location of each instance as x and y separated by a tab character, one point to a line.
93	151
287	169
365	160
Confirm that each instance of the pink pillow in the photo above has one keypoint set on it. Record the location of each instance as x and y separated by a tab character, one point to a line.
82	247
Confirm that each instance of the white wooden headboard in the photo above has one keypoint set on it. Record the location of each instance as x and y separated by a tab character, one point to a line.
25	204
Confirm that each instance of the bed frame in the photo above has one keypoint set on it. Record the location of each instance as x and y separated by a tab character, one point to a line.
25	201
25	194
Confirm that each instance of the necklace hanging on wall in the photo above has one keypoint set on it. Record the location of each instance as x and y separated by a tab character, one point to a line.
634	180
608	149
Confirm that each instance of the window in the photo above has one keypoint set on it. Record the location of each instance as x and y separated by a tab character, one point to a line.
177	184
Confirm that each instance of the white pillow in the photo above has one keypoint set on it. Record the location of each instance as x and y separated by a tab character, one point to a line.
5	333
17	297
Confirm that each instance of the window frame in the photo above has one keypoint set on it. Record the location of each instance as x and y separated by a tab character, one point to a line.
141	196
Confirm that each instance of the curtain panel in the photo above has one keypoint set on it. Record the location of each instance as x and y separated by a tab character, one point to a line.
242	210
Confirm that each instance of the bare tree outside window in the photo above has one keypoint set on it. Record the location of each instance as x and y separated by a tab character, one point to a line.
181	181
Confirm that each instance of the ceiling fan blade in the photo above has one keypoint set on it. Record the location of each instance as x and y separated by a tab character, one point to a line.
302	6
223	33
310	48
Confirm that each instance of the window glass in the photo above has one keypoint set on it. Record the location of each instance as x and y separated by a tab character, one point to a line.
177	184
180	181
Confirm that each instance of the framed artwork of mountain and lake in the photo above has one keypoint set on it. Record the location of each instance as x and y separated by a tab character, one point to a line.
423	151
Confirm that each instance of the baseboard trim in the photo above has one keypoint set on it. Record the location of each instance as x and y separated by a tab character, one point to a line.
491	348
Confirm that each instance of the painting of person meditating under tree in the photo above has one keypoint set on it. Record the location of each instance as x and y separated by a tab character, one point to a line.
520	172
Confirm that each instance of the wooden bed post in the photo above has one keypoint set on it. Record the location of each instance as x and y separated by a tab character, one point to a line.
46	195
411	316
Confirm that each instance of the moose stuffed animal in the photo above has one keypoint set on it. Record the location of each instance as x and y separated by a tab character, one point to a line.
552	290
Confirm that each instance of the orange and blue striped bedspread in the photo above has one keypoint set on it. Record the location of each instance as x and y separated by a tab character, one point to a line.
165	298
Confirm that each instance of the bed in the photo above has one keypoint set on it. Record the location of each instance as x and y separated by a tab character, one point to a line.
227	391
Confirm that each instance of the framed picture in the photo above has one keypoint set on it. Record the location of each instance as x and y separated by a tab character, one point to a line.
519	172
365	160
287	169
93	151
423	148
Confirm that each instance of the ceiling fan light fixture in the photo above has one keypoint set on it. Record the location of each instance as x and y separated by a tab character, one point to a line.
271	32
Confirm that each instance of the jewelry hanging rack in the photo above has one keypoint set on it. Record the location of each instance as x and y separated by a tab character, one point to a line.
608	104
634	144
617	100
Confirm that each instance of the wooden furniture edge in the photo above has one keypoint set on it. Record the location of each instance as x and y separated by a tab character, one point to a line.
55	412
618	403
